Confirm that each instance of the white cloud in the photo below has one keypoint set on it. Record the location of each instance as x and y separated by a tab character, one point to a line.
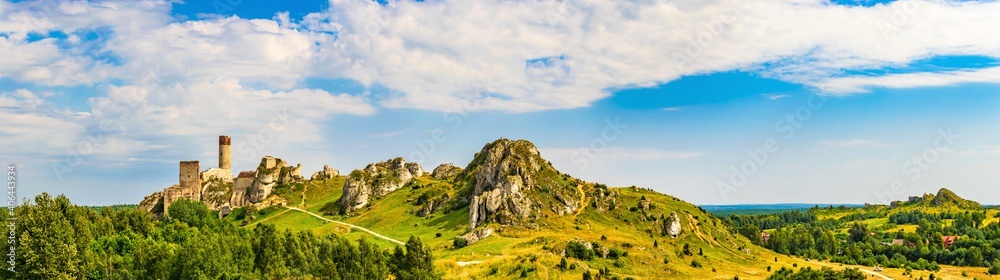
673	109
530	56
862	84
774	96
435	53
852	143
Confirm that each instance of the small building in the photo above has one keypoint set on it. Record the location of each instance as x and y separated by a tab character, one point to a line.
764	236
947	240
898	242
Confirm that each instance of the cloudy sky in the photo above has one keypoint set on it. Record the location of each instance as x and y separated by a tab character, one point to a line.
713	101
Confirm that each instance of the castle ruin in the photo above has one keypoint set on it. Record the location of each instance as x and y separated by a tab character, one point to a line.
218	189
189	187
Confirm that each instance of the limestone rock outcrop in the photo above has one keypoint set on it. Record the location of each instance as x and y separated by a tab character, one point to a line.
476	235
500	173
216	187
291	174
152	203
672	225
376	180
270	173
433	205
445	171
326	173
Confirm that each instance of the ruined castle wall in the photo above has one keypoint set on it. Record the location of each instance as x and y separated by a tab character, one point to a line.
189	187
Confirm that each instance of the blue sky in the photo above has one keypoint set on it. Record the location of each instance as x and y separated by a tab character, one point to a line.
857	101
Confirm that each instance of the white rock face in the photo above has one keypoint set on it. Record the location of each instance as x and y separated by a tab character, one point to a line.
376	180
267	177
326	173
445	171
225	175
476	235
505	171
672	225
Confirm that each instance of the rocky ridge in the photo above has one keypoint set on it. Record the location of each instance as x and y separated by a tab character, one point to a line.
376	180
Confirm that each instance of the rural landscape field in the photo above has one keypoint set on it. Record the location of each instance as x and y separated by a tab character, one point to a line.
500	139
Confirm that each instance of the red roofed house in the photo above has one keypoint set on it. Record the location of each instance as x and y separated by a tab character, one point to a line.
947	240
764	236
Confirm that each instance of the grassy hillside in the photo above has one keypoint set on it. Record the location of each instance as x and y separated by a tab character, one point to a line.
537	252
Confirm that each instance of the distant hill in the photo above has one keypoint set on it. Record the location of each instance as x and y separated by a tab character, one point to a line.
944	198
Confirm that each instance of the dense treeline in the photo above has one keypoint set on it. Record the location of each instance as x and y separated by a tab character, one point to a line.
924	249
825	273
58	240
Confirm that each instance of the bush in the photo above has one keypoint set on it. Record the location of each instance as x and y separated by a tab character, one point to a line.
578	250
995	268
459	242
615	253
695	263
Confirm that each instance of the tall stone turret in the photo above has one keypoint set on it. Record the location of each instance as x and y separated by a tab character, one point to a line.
225	153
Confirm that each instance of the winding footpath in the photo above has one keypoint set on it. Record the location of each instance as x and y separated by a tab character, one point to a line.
349	225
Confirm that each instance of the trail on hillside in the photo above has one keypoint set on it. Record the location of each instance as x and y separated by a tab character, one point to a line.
304	189
349	225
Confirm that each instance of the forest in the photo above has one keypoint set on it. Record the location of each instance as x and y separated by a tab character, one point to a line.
849	240
58	240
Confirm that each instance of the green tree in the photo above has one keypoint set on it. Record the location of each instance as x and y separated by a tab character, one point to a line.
858	232
46	240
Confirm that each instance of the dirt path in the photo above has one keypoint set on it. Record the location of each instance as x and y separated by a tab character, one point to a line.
304	189
349	225
468	263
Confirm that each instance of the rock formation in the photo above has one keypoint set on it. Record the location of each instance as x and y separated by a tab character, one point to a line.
499	175
376	180
152	203
270	173
445	171
216	187
672	225
326	173
433	205
476	235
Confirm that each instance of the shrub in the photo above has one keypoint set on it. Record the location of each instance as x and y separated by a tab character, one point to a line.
459	242
695	263
578	250
615	253
995	268
437	234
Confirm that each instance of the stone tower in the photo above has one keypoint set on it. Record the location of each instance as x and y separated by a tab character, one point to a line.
190	179
225	153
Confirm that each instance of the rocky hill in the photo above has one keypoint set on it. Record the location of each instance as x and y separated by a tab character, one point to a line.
508	182
509	212
944	198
